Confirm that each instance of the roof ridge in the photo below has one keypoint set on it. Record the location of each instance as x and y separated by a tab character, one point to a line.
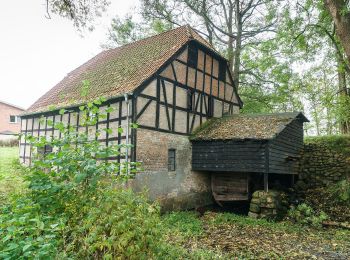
12	105
146	38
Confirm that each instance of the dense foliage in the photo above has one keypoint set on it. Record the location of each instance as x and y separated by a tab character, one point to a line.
75	205
337	143
285	55
304	214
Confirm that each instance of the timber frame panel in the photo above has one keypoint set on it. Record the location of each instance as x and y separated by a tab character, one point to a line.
114	120
200	97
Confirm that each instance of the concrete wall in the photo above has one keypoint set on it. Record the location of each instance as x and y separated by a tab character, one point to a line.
179	189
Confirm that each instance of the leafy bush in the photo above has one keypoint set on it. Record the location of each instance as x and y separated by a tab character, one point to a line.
338	143
75	206
340	192
25	232
122	225
305	215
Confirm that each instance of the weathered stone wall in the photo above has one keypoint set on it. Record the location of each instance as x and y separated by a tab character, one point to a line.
179	189
271	204
321	166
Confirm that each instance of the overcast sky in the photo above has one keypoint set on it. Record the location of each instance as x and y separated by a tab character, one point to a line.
36	53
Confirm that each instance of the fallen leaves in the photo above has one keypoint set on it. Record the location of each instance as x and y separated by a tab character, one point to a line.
236	239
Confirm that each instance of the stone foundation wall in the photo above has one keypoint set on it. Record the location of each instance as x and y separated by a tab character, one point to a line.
271	204
321	166
174	190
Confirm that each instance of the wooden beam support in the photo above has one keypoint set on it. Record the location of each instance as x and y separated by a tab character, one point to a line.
119	125
25	141
143	109
166	105
158	104
267	167
266	182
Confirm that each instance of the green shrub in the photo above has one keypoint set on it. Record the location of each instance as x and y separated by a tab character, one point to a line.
305	215
75	206
340	192
121	224
337	143
25	232
187	222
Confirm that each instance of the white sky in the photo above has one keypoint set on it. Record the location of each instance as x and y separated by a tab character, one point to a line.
36	53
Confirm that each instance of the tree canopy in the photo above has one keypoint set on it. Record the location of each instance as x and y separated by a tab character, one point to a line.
285	55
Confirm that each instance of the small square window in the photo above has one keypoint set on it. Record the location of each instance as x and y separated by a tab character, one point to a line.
171	159
14	119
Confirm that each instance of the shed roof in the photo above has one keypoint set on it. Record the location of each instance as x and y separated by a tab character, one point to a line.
246	126
117	71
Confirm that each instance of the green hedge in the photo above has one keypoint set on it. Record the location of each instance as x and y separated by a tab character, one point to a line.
338	143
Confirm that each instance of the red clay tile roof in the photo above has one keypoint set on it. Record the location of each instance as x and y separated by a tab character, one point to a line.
117	71
246	126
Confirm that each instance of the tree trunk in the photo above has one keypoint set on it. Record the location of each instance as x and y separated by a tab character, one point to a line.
342	92
341	21
238	47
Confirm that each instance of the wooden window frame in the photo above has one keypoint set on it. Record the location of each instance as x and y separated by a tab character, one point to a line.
211	106
192	57
191	100
222	70
171	159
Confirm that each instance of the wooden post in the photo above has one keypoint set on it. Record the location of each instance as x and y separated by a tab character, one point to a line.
266	182
267	168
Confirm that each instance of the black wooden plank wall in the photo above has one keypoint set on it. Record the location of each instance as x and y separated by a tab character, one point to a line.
285	149
232	156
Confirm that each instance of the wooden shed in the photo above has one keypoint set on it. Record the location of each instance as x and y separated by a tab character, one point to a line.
245	152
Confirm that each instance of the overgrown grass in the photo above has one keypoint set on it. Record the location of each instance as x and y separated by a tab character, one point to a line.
338	143
186	223
11	181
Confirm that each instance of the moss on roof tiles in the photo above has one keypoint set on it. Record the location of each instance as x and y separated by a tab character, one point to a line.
117	71
246	126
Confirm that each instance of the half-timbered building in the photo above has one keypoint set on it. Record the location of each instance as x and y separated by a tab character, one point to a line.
169	84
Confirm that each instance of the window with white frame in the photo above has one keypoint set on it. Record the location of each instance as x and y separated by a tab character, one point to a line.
14	119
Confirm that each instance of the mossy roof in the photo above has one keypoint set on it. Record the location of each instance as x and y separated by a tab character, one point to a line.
246	126
117	71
